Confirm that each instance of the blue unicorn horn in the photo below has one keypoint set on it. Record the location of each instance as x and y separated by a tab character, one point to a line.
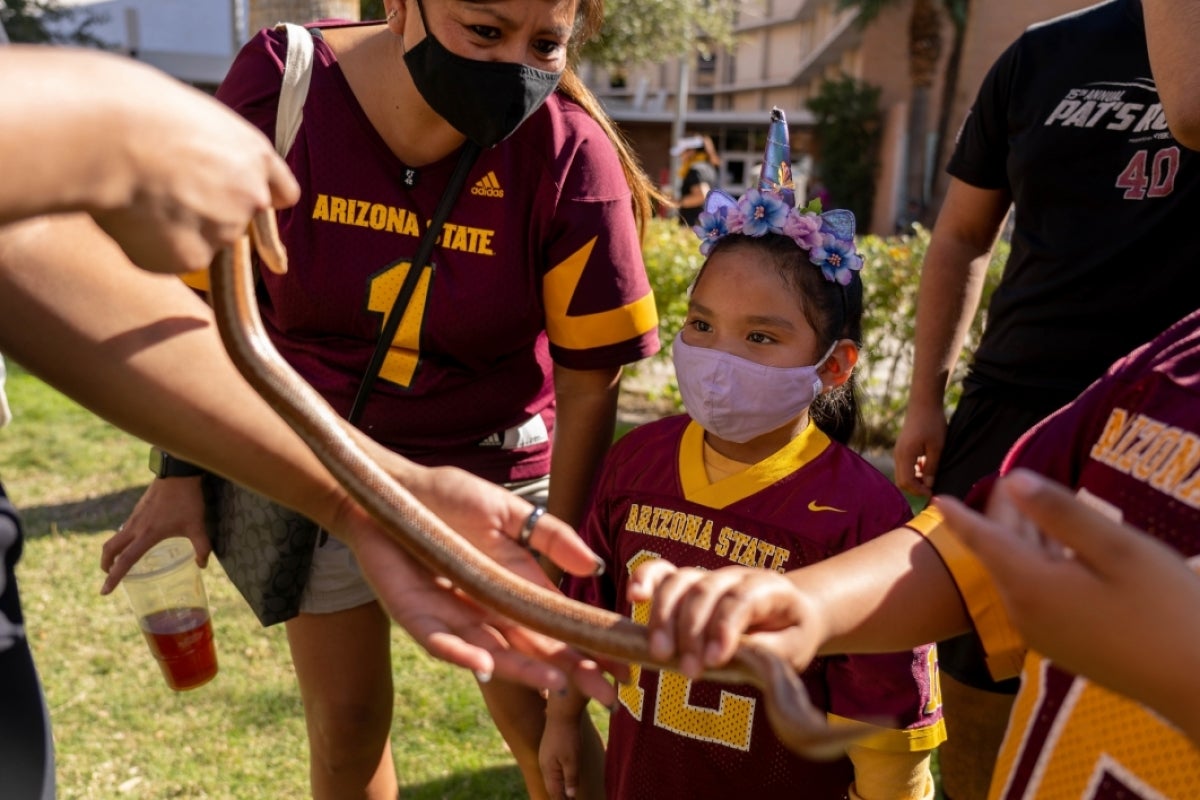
776	173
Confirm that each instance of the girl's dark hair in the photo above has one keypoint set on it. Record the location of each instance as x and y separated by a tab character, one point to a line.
834	311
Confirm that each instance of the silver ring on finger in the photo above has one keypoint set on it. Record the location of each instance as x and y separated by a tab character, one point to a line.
530	523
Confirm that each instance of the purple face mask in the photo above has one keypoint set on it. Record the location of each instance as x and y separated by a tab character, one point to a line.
738	399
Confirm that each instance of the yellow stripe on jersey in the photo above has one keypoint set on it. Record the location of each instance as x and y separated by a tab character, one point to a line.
1003	645
893	740
590	330
795	454
198	280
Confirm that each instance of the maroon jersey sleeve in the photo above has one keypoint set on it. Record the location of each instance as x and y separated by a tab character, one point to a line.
598	304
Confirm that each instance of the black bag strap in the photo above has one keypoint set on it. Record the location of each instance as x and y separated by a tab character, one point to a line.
470	153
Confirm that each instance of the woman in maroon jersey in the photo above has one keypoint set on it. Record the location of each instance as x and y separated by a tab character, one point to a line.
498	349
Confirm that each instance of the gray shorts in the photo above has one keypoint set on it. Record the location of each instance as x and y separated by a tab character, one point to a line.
336	582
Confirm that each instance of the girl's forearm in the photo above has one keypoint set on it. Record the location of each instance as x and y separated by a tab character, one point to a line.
892	593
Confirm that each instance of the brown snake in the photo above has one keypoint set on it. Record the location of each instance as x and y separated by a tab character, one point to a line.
442	550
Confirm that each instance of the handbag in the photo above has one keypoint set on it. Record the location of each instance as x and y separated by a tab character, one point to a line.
265	548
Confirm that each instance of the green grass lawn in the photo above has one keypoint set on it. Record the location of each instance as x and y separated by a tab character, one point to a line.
119	731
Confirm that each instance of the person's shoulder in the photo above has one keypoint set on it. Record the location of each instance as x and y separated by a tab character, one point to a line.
1109	16
575	149
867	481
572	121
1042	51
270	43
251	86
868	468
273	41
1174	353
648	449
266	52
567	128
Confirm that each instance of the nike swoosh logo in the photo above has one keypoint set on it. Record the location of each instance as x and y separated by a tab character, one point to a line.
812	506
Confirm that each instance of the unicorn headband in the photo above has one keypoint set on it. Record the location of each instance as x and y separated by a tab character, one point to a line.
828	237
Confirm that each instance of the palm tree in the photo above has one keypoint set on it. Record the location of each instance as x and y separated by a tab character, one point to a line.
957	11
924	52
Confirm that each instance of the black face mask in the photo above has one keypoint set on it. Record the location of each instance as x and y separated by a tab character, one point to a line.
483	100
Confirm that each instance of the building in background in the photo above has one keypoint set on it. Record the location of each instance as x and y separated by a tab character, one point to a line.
785	50
196	40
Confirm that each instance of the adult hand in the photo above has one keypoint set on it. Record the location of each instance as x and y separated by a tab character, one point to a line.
919	448
701	615
169	172
197	173
1092	577
169	507
449	625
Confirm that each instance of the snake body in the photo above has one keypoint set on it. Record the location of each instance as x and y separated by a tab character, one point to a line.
442	550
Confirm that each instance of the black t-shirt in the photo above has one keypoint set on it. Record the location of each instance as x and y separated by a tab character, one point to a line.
26	751
1105	245
698	173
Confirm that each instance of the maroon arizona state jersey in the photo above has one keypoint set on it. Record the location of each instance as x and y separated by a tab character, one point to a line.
671	737
539	263
1130	444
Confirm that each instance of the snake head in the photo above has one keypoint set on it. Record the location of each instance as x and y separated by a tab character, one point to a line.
265	234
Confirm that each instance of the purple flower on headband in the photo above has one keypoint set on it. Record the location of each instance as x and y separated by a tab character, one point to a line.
836	257
803	229
764	212
710	227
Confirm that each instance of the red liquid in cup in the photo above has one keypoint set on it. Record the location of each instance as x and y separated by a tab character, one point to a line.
181	639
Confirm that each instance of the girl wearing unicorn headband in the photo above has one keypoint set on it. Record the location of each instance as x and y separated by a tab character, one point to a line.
756	473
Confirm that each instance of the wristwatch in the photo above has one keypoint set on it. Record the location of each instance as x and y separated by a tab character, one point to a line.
165	465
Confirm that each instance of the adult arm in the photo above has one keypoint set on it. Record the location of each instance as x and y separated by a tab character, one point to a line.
142	351
1172	30
165	169
1115	578
951	284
